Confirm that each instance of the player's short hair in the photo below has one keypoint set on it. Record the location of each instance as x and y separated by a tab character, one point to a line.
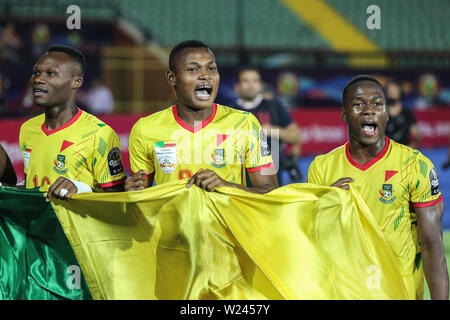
73	53
174	53
359	78
245	69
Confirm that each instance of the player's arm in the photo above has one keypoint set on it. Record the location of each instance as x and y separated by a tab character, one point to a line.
7	173
139	181
72	187
209	180
140	160
429	222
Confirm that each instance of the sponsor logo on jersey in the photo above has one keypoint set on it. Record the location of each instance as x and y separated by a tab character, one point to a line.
387	195
219	158
166	155
114	161
60	164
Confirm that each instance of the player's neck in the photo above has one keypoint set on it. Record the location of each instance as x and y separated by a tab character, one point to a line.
365	153
58	116
192	116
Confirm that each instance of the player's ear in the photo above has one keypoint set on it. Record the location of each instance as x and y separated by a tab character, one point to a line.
343	114
171	78
77	82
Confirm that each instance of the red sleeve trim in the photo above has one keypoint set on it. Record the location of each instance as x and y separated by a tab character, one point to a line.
269	165
428	204
148	175
111	184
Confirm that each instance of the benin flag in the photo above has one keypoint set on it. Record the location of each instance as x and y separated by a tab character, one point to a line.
36	260
301	241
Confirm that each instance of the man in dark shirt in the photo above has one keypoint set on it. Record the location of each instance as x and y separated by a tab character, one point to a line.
274	117
402	124
7	173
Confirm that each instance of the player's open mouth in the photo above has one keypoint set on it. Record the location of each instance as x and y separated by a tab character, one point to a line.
369	128
38	92
203	92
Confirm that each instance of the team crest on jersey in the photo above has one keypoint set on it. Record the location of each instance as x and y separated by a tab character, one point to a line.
219	158
60	164
387	194
166	155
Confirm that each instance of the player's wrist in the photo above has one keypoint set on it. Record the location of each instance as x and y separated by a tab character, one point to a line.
81	186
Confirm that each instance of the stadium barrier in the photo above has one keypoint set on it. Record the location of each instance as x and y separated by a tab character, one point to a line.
322	131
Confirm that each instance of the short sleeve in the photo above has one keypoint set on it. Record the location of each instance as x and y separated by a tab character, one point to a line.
257	151
140	157
107	162
313	174
425	190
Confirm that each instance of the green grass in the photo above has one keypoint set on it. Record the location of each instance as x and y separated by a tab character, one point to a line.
447	257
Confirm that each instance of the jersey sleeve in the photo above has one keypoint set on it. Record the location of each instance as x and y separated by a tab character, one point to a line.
107	162
424	183
140	156
257	151
313	173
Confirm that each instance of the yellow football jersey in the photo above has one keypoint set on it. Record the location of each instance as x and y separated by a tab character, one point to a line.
228	143
84	149
392	184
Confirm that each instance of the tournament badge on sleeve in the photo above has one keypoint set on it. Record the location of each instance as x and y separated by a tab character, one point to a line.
263	145
166	155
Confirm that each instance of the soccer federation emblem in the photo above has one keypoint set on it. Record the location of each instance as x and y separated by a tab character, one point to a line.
60	164
387	195
219	158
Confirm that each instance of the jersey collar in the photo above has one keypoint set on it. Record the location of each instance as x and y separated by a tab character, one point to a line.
188	127
366	166
71	121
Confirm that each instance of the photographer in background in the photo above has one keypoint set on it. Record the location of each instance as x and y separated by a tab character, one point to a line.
402	124
272	115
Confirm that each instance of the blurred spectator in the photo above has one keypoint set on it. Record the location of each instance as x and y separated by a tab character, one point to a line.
99	99
402	124
272	115
7	173
288	86
428	88
2	95
446	164
10	43
40	35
